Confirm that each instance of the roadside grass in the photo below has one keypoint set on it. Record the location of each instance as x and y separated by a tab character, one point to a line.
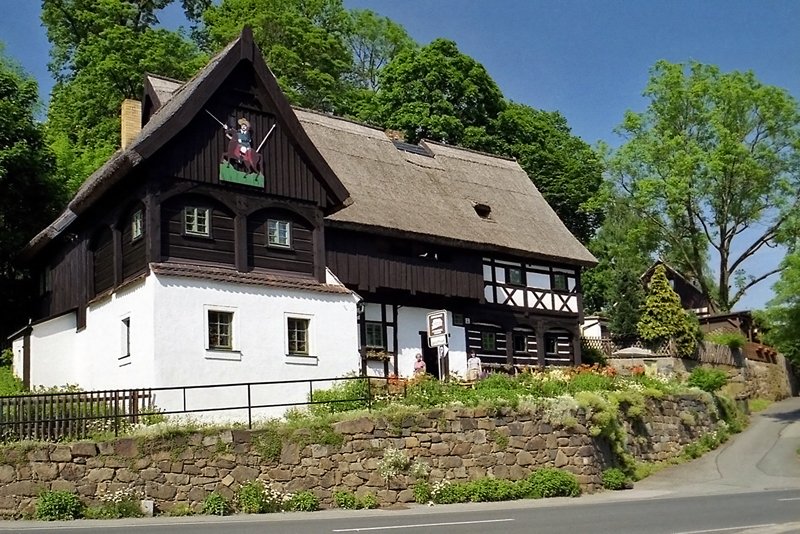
758	405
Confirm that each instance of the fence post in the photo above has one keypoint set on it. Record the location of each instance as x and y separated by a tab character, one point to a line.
249	409
369	395
116	413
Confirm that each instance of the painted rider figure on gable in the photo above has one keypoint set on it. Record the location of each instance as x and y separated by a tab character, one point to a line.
240	147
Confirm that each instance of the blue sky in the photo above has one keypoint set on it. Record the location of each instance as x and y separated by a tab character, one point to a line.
589	59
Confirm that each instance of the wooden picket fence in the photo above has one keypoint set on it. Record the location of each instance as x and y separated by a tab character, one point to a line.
60	416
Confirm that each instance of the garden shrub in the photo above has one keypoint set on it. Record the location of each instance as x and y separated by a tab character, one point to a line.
368	501
708	379
352	393
614	479
728	338
216	504
663	318
302	501
591	382
345	499
422	492
551	482
10	384
250	497
58	506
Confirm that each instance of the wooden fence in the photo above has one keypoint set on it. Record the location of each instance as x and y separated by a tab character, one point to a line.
608	346
59	416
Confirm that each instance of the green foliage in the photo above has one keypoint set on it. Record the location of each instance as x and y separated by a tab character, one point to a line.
732	340
58	506
303	501
614	479
627	296
436	92
100	52
551	482
250	498
542	483
708	378
735	420
713	155
422	492
343	396
663	318
373	42
9	383
216	504
127	508
783	311
268	442
180	510
591	382
758	405
349	501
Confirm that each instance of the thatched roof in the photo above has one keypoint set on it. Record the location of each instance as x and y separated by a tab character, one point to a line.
400	191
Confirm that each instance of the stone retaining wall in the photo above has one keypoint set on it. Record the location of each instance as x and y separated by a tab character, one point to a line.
457	444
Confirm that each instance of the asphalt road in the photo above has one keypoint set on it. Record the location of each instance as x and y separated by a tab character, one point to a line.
751	485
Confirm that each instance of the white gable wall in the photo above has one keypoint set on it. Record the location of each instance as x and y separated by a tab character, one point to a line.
259	342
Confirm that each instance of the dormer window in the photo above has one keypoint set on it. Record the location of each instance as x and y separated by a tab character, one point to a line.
137	225
483	210
195	221
279	233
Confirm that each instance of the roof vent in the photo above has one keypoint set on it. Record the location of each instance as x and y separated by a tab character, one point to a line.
413	149
483	210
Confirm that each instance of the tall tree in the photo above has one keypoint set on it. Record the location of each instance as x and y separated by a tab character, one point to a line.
714	164
303	42
436	92
100	53
30	196
564	168
663	319
373	41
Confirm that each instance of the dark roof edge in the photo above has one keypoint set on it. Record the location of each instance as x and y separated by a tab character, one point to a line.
457	243
464	149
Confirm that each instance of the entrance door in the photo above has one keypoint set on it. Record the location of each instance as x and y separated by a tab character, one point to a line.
431	357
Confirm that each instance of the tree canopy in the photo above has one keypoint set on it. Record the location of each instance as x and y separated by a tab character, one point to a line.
783	311
436	92
100	53
713	166
30	195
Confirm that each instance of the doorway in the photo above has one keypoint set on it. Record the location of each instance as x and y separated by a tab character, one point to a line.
431	357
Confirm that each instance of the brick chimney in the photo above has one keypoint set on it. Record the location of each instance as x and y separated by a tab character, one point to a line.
131	116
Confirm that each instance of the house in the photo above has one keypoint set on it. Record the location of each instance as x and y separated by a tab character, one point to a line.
236	239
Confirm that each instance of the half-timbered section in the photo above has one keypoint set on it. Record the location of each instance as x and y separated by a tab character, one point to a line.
235	239
438	227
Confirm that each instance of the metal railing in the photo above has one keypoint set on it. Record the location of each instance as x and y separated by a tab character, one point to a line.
78	415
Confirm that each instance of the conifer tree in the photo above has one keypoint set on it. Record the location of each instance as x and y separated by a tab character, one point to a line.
628	299
664	319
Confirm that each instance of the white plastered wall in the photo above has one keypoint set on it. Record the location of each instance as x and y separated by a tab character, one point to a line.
410	322
260	351
90	358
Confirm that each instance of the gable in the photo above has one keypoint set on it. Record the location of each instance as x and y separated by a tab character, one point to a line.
198	152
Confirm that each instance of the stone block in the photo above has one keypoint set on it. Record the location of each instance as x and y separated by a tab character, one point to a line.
524	458
362	425
440	449
461	449
114	462
7	473
88	489
290	454
102	474
61	453
197	494
39	455
63	485
26	488
126	447
149	474
280	475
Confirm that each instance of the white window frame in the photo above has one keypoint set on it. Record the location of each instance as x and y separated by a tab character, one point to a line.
278	224
190	221
310	358
137	225
125	340
222	353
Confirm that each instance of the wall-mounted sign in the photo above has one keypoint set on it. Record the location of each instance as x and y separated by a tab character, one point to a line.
241	162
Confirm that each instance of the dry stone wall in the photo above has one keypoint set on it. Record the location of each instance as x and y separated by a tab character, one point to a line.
457	444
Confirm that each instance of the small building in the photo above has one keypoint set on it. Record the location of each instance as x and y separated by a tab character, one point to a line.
236	239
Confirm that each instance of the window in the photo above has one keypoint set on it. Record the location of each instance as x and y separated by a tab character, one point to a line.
279	233
297	330
220	330
137	225
375	339
45	281
520	343
488	341
458	319
126	337
559	282
551	344
514	276
195	221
